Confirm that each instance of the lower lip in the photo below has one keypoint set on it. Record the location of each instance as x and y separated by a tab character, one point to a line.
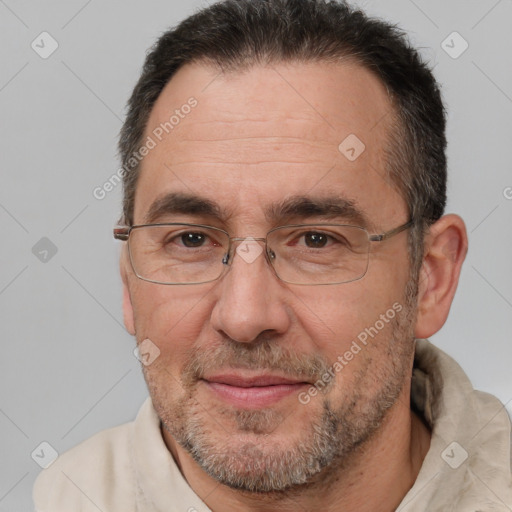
257	396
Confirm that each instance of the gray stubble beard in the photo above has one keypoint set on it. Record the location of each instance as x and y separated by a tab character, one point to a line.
328	444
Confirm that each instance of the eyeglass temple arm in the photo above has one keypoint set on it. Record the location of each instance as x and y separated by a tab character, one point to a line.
392	232
121	233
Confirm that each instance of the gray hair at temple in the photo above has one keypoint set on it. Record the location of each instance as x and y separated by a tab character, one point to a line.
234	35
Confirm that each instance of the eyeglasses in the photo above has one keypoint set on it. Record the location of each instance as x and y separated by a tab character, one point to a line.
303	254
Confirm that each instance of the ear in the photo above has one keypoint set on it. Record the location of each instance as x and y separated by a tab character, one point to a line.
446	246
127	301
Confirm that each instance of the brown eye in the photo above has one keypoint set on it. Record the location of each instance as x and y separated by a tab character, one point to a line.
315	240
193	239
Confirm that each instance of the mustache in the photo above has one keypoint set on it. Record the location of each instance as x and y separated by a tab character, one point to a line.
264	355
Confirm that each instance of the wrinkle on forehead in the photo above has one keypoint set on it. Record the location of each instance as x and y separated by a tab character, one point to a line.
333	97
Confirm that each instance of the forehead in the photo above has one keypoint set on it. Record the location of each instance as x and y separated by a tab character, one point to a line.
249	138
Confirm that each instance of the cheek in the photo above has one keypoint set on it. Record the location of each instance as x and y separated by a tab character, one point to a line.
172	319
335	315
361	363
351	325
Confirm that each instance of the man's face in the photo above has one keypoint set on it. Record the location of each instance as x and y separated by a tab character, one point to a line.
255	140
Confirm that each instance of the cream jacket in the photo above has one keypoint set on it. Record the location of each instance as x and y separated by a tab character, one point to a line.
467	469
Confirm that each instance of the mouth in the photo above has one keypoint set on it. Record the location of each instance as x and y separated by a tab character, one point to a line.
252	391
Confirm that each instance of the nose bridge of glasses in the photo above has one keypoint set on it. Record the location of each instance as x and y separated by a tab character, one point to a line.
243	238
249	248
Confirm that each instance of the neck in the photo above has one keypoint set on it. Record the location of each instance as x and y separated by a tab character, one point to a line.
375	479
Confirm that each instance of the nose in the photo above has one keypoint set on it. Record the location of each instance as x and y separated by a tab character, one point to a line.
250	298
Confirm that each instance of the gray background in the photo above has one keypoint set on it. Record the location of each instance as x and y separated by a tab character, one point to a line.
68	369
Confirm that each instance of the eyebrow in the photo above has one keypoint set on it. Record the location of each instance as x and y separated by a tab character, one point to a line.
295	208
180	203
326	207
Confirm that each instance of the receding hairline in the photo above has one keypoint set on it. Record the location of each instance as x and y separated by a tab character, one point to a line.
228	69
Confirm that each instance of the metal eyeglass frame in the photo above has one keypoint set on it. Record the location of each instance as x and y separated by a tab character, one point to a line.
122	233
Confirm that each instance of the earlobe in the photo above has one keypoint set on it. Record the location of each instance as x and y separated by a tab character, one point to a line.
445	250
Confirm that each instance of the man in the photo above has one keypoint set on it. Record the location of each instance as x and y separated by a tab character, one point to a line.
285	256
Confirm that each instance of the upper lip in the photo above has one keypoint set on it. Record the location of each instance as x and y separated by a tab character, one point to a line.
233	379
